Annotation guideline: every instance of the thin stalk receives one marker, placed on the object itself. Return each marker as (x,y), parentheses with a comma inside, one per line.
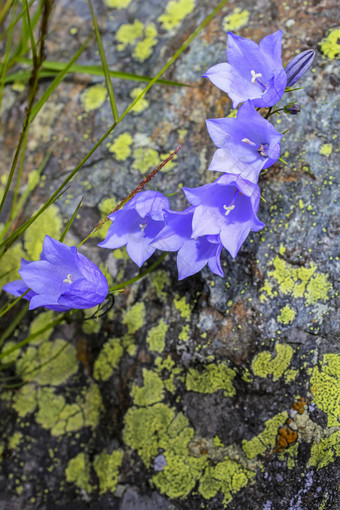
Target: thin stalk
(111,128)
(30,34)
(4,10)
(18,178)
(5,61)
(8,307)
(104,63)
(14,322)
(122,285)
(18,18)
(70,221)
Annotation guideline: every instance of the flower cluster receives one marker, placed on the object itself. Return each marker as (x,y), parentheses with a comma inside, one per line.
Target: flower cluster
(221,214)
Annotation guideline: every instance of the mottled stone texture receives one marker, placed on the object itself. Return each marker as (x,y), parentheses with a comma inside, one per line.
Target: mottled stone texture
(208,393)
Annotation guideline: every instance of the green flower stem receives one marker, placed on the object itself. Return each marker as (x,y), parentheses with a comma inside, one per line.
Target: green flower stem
(122,285)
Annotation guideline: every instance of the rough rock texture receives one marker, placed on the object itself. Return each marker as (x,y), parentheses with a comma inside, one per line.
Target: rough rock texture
(207,393)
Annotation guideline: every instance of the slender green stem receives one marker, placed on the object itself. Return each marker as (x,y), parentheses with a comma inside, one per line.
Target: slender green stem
(5,60)
(30,33)
(69,223)
(17,319)
(122,285)
(18,18)
(104,63)
(19,174)
(4,10)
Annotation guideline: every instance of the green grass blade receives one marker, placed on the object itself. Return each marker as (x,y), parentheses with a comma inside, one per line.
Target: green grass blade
(104,63)
(50,65)
(24,76)
(30,32)
(122,285)
(59,190)
(18,18)
(39,104)
(5,60)
(4,10)
(17,319)
(70,221)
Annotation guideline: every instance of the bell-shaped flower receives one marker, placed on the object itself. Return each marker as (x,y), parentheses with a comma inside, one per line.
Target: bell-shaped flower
(61,280)
(246,145)
(137,224)
(253,71)
(193,254)
(226,208)
(298,66)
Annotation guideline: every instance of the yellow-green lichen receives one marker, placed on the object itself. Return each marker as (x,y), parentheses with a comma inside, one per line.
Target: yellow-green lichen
(236,20)
(211,379)
(15,440)
(156,336)
(108,359)
(258,445)
(47,223)
(159,280)
(184,334)
(117,4)
(25,400)
(175,12)
(39,323)
(325,451)
(127,34)
(134,318)
(143,49)
(325,386)
(145,159)
(330,46)
(142,104)
(264,364)
(286,316)
(78,472)
(121,146)
(93,97)
(183,307)
(326,149)
(168,367)
(10,263)
(151,391)
(107,467)
(228,476)
(318,289)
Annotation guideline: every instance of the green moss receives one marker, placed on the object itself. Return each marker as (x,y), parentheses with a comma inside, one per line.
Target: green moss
(237,19)
(145,159)
(121,147)
(107,467)
(117,4)
(127,34)
(48,223)
(78,472)
(228,476)
(15,440)
(175,12)
(325,386)
(156,336)
(143,49)
(10,263)
(93,97)
(142,103)
(108,359)
(134,318)
(326,149)
(318,289)
(151,392)
(264,365)
(330,45)
(325,452)
(213,378)
(286,316)
(258,445)
(183,307)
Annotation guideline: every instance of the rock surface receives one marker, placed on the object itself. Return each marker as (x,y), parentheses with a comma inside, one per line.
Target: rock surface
(208,393)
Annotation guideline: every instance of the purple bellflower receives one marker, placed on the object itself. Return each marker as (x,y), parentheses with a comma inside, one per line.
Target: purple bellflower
(193,254)
(226,208)
(246,145)
(298,66)
(137,224)
(254,71)
(61,280)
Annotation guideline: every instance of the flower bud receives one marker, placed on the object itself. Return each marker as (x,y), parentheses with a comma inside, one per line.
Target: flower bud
(298,66)
(292,109)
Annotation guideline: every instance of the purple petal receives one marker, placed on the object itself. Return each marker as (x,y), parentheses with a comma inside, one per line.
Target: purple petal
(177,230)
(41,277)
(226,161)
(188,260)
(298,66)
(271,45)
(57,253)
(139,249)
(50,302)
(83,294)
(17,288)
(151,203)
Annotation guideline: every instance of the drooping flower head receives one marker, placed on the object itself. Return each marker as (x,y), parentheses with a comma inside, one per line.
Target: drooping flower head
(137,224)
(61,280)
(246,145)
(298,66)
(226,208)
(253,71)
(193,254)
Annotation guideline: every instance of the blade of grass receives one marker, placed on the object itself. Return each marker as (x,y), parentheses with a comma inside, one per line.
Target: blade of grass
(205,22)
(51,65)
(30,32)
(24,76)
(59,78)
(4,10)
(22,47)
(122,285)
(104,63)
(18,18)
(5,61)
(17,319)
(70,221)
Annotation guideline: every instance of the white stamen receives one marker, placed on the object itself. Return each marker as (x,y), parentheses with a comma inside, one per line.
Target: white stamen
(228,209)
(255,76)
(142,226)
(68,279)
